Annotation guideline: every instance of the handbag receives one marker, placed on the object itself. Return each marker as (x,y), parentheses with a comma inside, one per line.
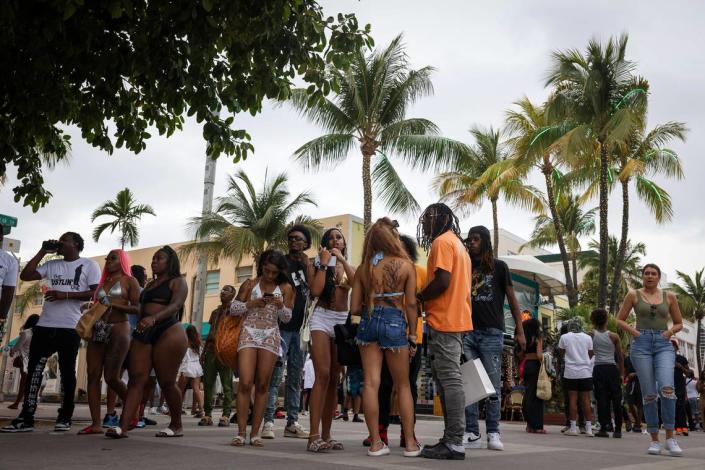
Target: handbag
(305,331)
(543,386)
(348,352)
(476,383)
(227,338)
(18,362)
(92,314)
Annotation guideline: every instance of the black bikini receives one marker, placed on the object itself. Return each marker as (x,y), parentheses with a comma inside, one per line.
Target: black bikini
(161,295)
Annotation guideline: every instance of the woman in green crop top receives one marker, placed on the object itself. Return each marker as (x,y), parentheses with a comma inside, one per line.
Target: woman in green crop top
(652,354)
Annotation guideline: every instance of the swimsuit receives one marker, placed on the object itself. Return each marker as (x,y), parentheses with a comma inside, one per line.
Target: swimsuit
(260,327)
(161,295)
(103,328)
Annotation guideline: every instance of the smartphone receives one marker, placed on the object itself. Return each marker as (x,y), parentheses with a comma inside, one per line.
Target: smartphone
(332,261)
(50,246)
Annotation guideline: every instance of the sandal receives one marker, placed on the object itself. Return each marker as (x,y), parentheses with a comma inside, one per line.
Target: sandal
(206,421)
(89,430)
(317,446)
(168,432)
(115,433)
(334,445)
(238,441)
(223,422)
(256,441)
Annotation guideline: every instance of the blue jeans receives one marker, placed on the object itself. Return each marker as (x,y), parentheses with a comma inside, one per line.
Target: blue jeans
(386,326)
(294,360)
(485,344)
(654,359)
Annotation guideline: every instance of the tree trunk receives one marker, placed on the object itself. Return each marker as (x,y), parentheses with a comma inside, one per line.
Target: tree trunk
(574,262)
(698,344)
(367,184)
(621,251)
(558,227)
(495,222)
(604,234)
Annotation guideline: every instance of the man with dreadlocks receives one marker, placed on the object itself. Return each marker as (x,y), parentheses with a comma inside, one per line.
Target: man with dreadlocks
(491,282)
(446,300)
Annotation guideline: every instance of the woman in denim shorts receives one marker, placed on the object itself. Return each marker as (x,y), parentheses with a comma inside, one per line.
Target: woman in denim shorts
(652,355)
(384,295)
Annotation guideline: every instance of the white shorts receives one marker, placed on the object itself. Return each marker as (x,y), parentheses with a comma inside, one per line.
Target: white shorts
(324,320)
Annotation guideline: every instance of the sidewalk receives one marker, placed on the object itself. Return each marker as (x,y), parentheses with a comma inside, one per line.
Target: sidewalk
(205,448)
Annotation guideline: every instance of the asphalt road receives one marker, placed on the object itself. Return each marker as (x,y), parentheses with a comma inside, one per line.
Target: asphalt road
(204,448)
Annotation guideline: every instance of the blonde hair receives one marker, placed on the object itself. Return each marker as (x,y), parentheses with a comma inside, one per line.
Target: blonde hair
(380,237)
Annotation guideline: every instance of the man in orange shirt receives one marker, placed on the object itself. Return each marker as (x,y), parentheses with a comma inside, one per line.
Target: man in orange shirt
(446,300)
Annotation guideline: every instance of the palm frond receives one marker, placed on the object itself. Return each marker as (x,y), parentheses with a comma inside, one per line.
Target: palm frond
(391,189)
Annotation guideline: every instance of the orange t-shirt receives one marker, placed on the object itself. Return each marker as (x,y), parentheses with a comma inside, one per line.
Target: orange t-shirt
(451,312)
(420,284)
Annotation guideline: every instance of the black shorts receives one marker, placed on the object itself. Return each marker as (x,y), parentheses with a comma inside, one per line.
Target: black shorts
(578,385)
(151,335)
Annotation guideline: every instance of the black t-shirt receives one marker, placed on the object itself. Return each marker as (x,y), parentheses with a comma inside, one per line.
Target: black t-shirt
(678,374)
(297,271)
(488,292)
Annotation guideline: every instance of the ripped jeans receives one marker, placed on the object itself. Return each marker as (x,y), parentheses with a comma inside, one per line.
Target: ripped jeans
(654,359)
(485,344)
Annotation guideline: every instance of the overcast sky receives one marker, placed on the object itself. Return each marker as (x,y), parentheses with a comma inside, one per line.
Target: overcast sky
(487,55)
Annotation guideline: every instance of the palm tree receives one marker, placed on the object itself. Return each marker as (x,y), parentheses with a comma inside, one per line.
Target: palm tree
(479,174)
(630,276)
(574,222)
(644,155)
(247,222)
(599,96)
(533,137)
(691,297)
(370,110)
(126,214)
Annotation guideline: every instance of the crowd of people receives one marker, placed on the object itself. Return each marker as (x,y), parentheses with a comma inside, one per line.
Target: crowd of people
(292,312)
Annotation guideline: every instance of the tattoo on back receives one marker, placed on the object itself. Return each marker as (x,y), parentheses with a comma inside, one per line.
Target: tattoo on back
(390,278)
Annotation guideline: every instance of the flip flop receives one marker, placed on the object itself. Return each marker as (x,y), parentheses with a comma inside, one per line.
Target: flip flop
(168,432)
(115,433)
(334,445)
(89,430)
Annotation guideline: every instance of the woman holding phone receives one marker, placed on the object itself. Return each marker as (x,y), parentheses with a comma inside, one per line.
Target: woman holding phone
(331,283)
(263,302)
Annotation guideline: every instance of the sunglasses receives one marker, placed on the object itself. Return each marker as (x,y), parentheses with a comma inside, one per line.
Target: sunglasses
(653,310)
(294,238)
(395,224)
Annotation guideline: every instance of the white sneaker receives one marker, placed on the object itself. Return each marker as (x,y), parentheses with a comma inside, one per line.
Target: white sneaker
(295,430)
(589,433)
(655,448)
(163,409)
(153,410)
(571,432)
(493,441)
(673,448)
(472,441)
(268,430)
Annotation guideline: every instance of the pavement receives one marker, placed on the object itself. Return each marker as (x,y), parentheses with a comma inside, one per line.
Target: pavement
(208,447)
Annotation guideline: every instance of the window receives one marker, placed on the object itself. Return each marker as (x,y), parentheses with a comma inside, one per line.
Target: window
(243,273)
(212,282)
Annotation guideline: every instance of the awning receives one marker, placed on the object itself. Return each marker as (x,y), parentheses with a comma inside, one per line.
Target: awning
(550,281)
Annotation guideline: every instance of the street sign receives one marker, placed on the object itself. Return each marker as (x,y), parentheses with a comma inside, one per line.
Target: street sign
(11,245)
(8,221)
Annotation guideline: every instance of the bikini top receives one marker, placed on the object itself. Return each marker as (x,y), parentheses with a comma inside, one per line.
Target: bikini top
(160,294)
(114,292)
(379,256)
(257,292)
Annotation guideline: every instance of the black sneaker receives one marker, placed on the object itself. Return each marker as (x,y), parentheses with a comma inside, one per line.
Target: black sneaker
(357,419)
(636,429)
(601,433)
(148,421)
(18,425)
(617,434)
(442,452)
(62,425)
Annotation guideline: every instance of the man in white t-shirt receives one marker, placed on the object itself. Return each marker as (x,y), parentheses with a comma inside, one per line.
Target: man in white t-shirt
(575,348)
(71,281)
(8,282)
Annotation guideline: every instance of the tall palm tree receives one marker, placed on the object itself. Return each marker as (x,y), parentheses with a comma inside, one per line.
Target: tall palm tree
(480,175)
(644,155)
(126,214)
(630,276)
(532,139)
(574,222)
(598,94)
(247,221)
(369,110)
(691,297)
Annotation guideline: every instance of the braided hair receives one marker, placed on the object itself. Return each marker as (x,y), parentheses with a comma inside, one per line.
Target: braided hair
(442,220)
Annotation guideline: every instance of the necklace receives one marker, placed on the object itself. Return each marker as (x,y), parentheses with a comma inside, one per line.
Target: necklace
(649,299)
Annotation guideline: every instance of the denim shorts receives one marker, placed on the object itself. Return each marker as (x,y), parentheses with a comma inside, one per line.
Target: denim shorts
(386,326)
